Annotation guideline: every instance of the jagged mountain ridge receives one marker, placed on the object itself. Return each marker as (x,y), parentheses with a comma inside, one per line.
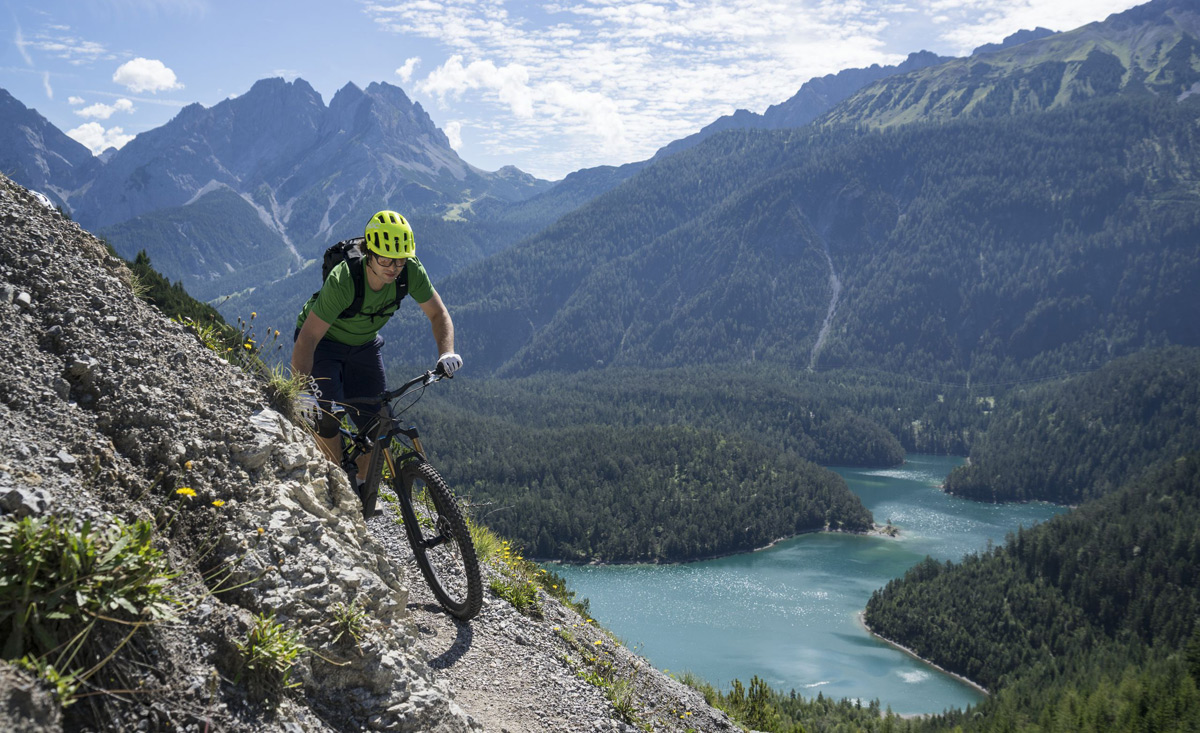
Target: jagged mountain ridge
(1151,49)
(814,98)
(37,153)
(309,174)
(279,135)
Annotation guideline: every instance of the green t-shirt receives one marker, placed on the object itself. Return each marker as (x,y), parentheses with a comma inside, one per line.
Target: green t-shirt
(338,292)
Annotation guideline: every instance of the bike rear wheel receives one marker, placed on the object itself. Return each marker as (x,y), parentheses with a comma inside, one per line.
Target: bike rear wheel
(440,539)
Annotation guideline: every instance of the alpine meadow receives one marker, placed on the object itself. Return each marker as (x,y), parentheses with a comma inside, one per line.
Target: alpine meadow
(995,257)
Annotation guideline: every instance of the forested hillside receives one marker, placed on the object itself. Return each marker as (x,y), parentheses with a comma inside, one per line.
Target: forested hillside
(1105,597)
(647,494)
(983,250)
(1080,439)
(218,243)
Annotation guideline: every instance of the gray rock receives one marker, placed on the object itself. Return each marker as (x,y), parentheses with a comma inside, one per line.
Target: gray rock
(25,705)
(24,501)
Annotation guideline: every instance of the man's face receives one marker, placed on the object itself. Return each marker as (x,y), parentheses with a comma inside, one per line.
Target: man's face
(388,268)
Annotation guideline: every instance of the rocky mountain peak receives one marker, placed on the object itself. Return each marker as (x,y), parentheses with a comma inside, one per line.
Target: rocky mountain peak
(1016,39)
(1147,49)
(38,152)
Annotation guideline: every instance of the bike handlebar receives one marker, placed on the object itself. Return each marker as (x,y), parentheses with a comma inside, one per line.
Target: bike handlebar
(430,376)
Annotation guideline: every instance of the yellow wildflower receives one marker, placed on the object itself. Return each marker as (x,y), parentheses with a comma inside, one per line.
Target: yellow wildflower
(598,642)
(219,502)
(187,466)
(186,491)
(261,530)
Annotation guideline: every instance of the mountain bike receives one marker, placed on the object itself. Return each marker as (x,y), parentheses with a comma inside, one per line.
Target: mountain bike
(433,520)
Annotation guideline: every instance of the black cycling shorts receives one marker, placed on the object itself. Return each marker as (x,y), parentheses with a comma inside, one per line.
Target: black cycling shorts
(350,378)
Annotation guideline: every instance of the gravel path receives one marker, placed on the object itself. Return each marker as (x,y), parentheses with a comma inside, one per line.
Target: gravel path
(516,674)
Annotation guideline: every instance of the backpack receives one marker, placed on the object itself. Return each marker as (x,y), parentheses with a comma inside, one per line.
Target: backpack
(350,252)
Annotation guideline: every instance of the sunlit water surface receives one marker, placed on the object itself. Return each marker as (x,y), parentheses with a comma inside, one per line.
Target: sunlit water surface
(789,614)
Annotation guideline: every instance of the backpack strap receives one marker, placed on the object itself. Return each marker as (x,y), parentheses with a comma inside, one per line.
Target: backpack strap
(358,277)
(355,265)
(401,290)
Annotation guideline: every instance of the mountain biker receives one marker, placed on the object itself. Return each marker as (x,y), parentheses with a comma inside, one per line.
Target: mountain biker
(342,355)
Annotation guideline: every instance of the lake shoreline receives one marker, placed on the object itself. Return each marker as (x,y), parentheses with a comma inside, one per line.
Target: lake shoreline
(877,530)
(861,617)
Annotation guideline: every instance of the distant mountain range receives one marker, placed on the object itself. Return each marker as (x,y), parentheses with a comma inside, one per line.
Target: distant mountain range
(1148,50)
(794,236)
(1003,246)
(274,164)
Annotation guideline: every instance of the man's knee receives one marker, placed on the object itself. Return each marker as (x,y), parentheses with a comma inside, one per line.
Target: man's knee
(328,424)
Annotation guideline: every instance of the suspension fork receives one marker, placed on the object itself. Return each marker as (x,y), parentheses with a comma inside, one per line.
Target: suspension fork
(413,437)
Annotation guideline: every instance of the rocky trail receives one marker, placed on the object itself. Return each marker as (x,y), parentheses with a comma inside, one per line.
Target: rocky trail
(514,673)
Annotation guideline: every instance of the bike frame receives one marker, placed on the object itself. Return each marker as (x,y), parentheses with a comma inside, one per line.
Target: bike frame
(364,440)
(453,576)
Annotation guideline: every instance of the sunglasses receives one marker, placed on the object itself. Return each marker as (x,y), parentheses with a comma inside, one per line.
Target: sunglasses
(390,262)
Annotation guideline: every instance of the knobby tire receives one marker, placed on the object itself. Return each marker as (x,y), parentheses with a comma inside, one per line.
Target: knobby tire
(444,551)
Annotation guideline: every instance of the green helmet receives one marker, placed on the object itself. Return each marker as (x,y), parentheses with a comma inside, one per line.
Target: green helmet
(389,235)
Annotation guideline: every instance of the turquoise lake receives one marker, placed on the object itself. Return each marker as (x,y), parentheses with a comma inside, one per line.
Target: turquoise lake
(790,613)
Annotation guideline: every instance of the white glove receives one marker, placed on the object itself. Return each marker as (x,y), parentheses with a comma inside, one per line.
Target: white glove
(306,406)
(450,363)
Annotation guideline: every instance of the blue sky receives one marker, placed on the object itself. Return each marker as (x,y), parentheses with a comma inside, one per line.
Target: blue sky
(550,87)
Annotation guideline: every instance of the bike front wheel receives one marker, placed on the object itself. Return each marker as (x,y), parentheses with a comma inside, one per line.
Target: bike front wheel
(440,539)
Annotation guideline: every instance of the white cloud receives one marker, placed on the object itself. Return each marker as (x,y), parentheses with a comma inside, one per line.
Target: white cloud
(75,101)
(405,72)
(101,111)
(548,80)
(453,131)
(19,40)
(146,75)
(46,85)
(972,23)
(631,74)
(510,83)
(58,41)
(97,139)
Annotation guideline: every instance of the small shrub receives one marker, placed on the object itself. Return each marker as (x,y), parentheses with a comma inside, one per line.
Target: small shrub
(521,593)
(487,543)
(349,620)
(62,685)
(268,655)
(59,581)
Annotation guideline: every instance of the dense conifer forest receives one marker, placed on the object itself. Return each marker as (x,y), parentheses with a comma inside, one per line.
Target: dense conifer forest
(1081,439)
(1091,616)
(679,464)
